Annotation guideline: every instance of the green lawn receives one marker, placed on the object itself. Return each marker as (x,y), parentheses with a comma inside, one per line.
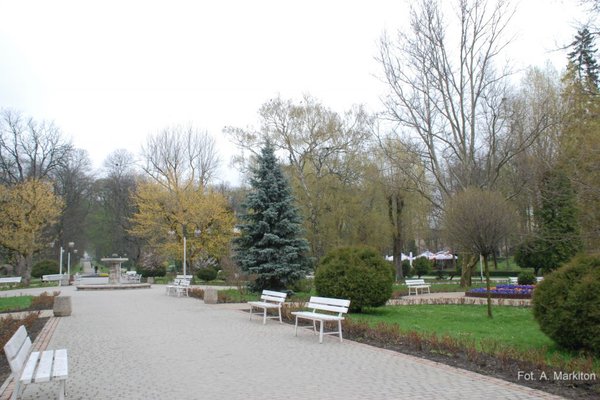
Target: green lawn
(513,326)
(15,303)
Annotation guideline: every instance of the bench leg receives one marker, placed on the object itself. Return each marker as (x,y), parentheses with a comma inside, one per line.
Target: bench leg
(280,321)
(250,313)
(16,390)
(296,327)
(63,390)
(340,330)
(265,316)
(321,332)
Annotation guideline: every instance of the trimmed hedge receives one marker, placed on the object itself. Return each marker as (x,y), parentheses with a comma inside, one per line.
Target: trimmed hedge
(45,267)
(359,274)
(566,304)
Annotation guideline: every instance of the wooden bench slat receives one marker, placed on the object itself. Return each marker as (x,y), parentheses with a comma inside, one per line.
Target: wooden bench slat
(330,301)
(16,363)
(61,365)
(45,367)
(11,279)
(27,375)
(325,307)
(12,347)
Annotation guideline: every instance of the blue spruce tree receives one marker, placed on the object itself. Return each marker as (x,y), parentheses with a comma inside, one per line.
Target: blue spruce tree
(270,244)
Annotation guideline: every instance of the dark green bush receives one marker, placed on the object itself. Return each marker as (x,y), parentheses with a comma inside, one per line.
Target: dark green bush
(152,271)
(207,274)
(566,304)
(422,266)
(45,267)
(526,278)
(356,273)
(406,268)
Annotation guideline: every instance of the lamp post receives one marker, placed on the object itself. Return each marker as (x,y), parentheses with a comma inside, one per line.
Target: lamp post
(71,245)
(60,257)
(197,233)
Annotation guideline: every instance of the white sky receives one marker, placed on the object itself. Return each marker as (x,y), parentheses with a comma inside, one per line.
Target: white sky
(108,72)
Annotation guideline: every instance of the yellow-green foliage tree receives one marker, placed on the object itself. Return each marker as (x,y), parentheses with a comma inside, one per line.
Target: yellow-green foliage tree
(203,214)
(27,211)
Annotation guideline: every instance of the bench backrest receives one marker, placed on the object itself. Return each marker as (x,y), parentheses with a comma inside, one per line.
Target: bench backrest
(410,282)
(188,277)
(17,350)
(513,280)
(338,306)
(11,279)
(271,296)
(54,277)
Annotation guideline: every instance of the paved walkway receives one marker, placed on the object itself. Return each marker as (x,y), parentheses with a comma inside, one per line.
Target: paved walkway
(141,344)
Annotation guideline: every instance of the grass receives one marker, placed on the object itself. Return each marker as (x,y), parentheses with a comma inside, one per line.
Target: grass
(513,326)
(15,303)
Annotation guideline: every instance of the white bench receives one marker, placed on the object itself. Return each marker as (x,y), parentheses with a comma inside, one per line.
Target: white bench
(416,284)
(131,277)
(11,279)
(180,285)
(55,277)
(513,281)
(48,366)
(269,300)
(324,309)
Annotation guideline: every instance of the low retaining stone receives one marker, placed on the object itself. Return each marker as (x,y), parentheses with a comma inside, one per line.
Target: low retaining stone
(62,306)
(210,296)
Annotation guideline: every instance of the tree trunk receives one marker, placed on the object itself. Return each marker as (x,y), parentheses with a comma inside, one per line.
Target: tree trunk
(24,267)
(487,285)
(468,264)
(395,206)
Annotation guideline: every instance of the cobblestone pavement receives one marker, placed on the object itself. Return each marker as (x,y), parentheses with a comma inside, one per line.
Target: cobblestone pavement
(142,344)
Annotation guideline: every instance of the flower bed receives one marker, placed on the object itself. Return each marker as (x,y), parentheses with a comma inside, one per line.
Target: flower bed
(504,292)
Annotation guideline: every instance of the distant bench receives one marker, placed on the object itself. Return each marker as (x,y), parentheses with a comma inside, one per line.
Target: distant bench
(269,300)
(55,277)
(416,284)
(11,279)
(324,309)
(180,285)
(48,366)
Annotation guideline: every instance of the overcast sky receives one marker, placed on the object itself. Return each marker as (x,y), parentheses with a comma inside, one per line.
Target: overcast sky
(109,73)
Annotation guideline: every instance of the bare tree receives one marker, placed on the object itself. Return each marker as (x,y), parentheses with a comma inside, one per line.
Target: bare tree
(29,149)
(180,157)
(324,150)
(478,221)
(447,98)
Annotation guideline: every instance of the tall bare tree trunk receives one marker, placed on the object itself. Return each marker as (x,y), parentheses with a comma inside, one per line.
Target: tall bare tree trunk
(469,261)
(487,285)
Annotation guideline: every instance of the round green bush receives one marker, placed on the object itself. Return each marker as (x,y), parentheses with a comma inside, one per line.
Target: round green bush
(566,304)
(45,267)
(526,278)
(358,274)
(156,270)
(207,274)
(422,266)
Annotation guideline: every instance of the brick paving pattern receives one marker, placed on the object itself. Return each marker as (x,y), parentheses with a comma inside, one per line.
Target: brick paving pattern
(144,345)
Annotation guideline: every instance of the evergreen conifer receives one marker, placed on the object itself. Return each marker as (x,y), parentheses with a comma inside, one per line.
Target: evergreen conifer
(270,244)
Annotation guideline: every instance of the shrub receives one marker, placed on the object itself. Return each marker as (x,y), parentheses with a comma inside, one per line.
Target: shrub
(406,268)
(526,278)
(566,304)
(207,274)
(356,273)
(152,271)
(421,266)
(45,267)
(303,285)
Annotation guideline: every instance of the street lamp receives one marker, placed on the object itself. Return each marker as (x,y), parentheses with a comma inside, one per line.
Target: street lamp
(71,245)
(197,233)
(60,257)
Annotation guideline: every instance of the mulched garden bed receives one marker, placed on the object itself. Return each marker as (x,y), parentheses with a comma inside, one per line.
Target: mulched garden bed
(499,295)
(33,330)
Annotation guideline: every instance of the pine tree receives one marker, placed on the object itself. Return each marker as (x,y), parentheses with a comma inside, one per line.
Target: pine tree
(270,244)
(583,62)
(558,224)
